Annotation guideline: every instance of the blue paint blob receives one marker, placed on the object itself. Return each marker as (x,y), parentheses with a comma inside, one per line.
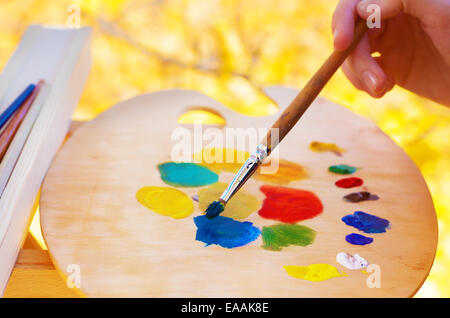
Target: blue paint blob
(224,231)
(214,209)
(186,174)
(358,239)
(366,222)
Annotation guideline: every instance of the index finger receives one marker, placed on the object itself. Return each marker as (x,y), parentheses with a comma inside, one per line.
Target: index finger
(343,23)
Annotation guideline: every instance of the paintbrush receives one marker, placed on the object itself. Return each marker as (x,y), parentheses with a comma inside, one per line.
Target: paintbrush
(287,120)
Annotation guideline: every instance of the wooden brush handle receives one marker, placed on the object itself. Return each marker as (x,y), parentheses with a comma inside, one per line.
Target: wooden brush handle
(308,94)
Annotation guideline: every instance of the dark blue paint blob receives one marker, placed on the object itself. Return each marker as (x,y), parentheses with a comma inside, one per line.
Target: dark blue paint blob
(358,239)
(224,231)
(214,209)
(186,174)
(366,222)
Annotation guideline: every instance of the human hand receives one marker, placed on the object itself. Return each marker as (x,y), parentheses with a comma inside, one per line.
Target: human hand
(413,45)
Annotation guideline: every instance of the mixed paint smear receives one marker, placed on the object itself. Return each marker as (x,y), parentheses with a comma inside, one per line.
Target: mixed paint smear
(353,262)
(224,231)
(347,183)
(360,196)
(277,236)
(239,207)
(289,205)
(166,201)
(314,272)
(366,222)
(318,146)
(342,169)
(358,239)
(186,174)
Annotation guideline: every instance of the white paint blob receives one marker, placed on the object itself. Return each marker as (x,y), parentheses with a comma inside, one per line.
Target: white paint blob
(351,261)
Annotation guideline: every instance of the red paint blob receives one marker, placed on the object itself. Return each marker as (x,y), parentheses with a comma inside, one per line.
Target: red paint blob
(349,183)
(289,205)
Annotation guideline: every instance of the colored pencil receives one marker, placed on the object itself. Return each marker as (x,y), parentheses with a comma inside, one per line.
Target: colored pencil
(11,156)
(7,135)
(4,117)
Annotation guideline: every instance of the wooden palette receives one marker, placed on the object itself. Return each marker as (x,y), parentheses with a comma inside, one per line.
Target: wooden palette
(90,216)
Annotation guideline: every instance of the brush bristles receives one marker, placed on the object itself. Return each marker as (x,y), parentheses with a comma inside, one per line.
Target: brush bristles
(214,209)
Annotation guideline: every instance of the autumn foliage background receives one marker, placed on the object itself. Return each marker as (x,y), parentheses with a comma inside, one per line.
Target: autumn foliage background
(229,50)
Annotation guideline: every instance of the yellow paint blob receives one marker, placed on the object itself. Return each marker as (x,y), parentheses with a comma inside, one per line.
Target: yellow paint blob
(318,146)
(221,159)
(239,207)
(314,272)
(166,201)
(286,173)
(202,115)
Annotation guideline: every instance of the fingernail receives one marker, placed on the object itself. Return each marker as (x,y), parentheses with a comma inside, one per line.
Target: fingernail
(371,82)
(363,5)
(337,45)
(335,35)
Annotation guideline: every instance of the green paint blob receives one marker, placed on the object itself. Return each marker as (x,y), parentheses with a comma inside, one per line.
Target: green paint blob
(186,174)
(277,236)
(342,169)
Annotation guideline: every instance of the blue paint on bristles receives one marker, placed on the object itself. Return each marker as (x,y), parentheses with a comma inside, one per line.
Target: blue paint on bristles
(214,209)
(4,117)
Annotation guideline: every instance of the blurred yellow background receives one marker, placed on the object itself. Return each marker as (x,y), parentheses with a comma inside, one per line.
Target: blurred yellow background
(229,50)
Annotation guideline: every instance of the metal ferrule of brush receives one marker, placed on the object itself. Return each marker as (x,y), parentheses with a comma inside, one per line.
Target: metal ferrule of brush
(245,172)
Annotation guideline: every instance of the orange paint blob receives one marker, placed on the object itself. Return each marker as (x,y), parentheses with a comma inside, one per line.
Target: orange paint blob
(287,172)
